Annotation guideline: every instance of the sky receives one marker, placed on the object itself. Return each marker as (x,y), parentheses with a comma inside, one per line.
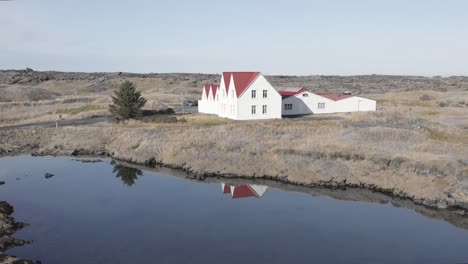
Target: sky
(295,37)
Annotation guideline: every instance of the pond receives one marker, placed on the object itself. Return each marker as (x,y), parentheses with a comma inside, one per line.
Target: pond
(111,212)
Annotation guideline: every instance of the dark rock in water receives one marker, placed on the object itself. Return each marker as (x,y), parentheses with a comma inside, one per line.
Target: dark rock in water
(2,182)
(88,160)
(48,175)
(80,152)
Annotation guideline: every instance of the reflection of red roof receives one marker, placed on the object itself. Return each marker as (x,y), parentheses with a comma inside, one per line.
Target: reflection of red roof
(334,97)
(243,192)
(242,80)
(290,91)
(226,189)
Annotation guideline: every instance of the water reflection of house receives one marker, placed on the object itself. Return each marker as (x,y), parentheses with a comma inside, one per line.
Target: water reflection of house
(244,191)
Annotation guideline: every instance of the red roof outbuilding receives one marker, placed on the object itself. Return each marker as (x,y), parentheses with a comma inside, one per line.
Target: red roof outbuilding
(290,91)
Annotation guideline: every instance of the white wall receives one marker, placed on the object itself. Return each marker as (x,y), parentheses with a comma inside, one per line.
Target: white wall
(227,100)
(272,102)
(307,103)
(303,105)
(203,103)
(355,104)
(208,103)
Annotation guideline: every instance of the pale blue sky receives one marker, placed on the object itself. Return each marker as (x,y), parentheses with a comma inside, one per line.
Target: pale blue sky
(419,37)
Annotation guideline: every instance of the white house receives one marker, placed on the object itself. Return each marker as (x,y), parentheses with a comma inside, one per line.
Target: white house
(241,96)
(248,95)
(299,101)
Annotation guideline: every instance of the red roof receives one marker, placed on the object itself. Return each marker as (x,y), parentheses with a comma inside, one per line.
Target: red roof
(207,89)
(242,80)
(290,91)
(227,80)
(334,97)
(214,89)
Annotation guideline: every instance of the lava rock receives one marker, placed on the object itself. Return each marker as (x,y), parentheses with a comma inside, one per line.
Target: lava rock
(48,175)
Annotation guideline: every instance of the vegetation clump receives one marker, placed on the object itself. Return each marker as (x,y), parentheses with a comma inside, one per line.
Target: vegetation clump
(127,102)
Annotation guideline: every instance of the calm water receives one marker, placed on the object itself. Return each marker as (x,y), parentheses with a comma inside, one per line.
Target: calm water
(108,213)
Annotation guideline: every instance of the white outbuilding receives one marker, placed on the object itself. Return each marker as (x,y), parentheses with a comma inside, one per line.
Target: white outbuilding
(298,101)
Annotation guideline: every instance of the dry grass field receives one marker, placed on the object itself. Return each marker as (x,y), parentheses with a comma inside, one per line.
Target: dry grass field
(415,145)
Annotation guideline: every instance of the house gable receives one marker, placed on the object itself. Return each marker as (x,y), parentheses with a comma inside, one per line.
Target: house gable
(239,80)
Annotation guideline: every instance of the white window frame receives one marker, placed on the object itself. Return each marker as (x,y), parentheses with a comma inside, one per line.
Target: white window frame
(265,93)
(321,105)
(264,109)
(254,109)
(254,94)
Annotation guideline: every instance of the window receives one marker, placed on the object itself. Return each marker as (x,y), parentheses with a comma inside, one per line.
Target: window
(287,106)
(233,109)
(321,105)
(265,93)
(264,109)
(254,93)
(305,95)
(254,109)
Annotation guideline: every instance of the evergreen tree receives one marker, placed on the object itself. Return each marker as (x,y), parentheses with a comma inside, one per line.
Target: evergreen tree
(127,102)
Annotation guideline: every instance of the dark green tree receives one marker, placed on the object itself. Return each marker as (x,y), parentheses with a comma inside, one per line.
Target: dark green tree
(127,102)
(128,175)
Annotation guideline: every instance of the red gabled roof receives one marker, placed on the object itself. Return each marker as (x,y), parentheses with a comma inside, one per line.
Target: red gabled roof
(334,97)
(242,80)
(290,91)
(207,90)
(214,89)
(243,192)
(227,80)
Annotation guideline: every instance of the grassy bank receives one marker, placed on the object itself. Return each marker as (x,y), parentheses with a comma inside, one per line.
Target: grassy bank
(390,152)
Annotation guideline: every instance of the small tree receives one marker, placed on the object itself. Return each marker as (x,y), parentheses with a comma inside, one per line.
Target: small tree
(127,102)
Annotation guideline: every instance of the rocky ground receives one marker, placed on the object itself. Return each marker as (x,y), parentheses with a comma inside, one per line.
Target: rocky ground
(8,226)
(53,84)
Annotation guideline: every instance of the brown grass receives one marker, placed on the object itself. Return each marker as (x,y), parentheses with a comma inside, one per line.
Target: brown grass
(78,110)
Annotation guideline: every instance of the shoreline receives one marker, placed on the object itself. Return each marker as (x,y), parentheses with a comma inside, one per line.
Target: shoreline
(399,177)
(332,186)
